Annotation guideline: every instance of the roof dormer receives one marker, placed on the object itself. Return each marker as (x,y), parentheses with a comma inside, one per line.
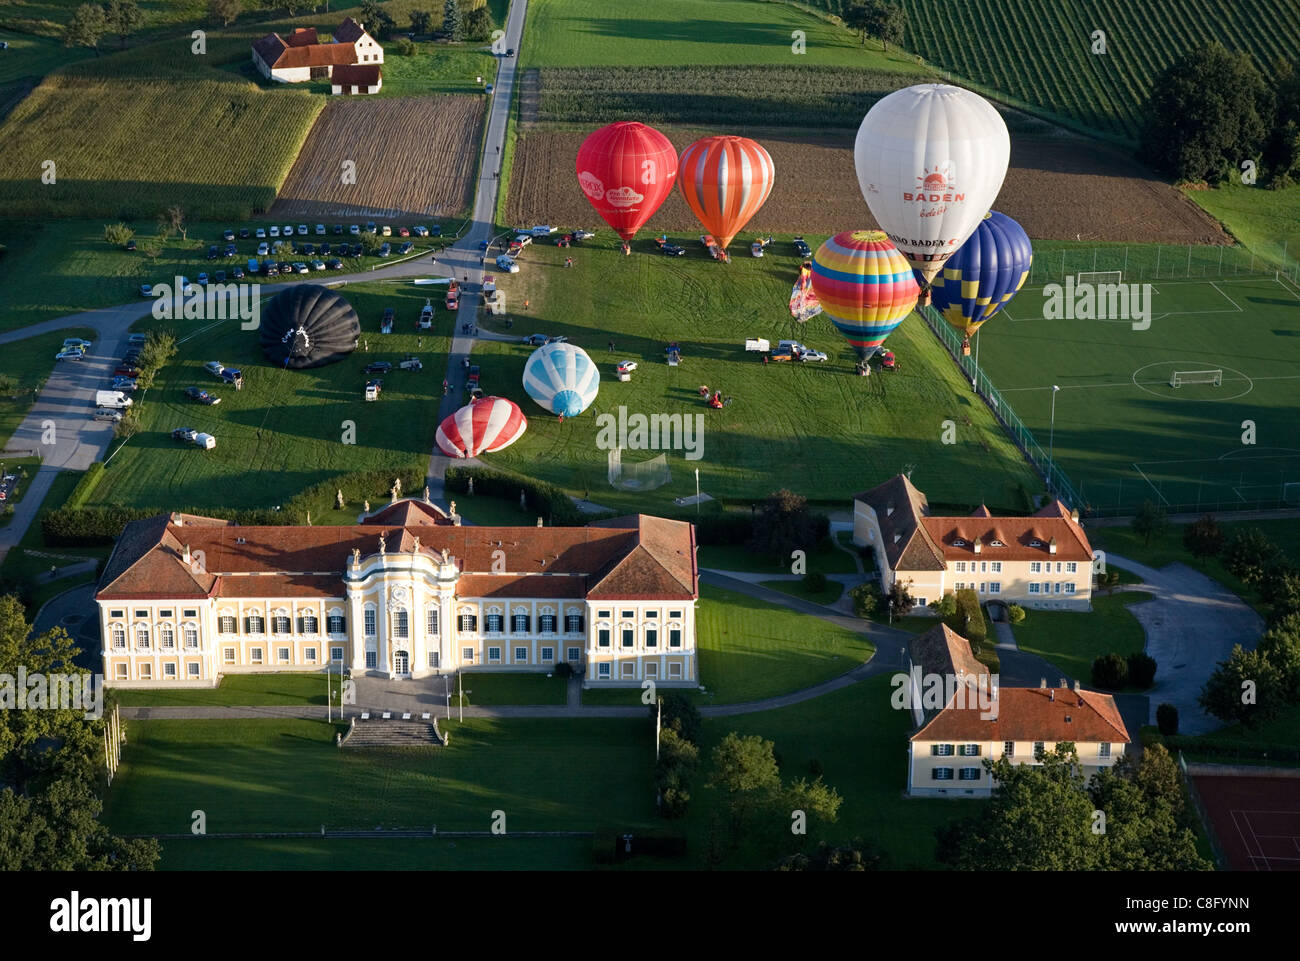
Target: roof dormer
(978,545)
(1051,546)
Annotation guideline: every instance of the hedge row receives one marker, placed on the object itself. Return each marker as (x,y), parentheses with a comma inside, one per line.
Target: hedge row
(1228,747)
(547,500)
(357,487)
(970,617)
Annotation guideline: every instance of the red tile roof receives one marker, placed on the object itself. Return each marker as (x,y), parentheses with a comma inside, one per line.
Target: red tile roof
(408,513)
(302,37)
(899,508)
(1032,714)
(358,74)
(279,54)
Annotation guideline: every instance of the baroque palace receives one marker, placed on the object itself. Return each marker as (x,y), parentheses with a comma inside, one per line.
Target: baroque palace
(405,592)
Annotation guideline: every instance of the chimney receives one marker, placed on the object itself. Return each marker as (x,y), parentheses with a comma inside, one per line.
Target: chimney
(178,519)
(1042,682)
(185,555)
(1051,695)
(1076,687)
(539,522)
(1051,546)
(1065,682)
(1074,515)
(979,544)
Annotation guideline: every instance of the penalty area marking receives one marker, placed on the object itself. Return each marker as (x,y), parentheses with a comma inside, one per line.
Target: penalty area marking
(1250,384)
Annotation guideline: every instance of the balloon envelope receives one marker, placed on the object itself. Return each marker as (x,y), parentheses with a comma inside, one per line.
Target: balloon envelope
(725,180)
(562,379)
(931,159)
(865,286)
(485,425)
(308,326)
(804,304)
(983,276)
(626,170)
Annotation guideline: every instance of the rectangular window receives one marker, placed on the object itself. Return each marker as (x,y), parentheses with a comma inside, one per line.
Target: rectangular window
(434,659)
(984,567)
(141,613)
(168,638)
(1035,567)
(941,750)
(431,621)
(1058,586)
(142,638)
(121,672)
(1009,748)
(602,637)
(371,625)
(675,637)
(191,613)
(282,655)
(1038,749)
(959,567)
(968,774)
(602,671)
(995,567)
(995,587)
(228,655)
(548,655)
(651,670)
(652,615)
(311,655)
(280,624)
(627,637)
(116,614)
(169,671)
(494,655)
(547,623)
(674,672)
(372,659)
(494,623)
(1069,587)
(628,669)
(1034,587)
(575,653)
(598,614)
(253,624)
(307,624)
(119,637)
(519,623)
(573,624)
(970,750)
(146,672)
(402,624)
(467,655)
(165,613)
(1103,749)
(521,655)
(336,653)
(651,637)
(1058,567)
(256,655)
(467,623)
(191,637)
(629,614)
(984,587)
(1071,567)
(674,614)
(336,624)
(941,774)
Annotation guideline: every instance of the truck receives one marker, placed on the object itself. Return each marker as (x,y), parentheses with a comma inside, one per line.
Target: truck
(205,441)
(112,398)
(426,316)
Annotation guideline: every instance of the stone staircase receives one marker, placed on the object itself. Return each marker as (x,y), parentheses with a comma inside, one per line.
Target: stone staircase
(378,733)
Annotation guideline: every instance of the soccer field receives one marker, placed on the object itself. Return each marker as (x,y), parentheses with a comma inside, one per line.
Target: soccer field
(1123,434)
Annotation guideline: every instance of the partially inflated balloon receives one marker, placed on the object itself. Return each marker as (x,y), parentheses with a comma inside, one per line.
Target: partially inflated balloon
(626,171)
(485,425)
(725,180)
(803,300)
(983,276)
(865,286)
(561,378)
(931,160)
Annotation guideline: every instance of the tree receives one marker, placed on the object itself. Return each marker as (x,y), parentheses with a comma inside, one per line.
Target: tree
(87,27)
(1203,537)
(452,26)
(814,582)
(1167,719)
(479,25)
(885,21)
(123,17)
(173,219)
(1208,111)
(1282,153)
(783,525)
(855,855)
(1110,671)
(1141,670)
(856,16)
(421,22)
(371,242)
(1280,588)
(945,606)
(678,760)
(1245,688)
(225,12)
(1015,613)
(1146,826)
(866,599)
(815,798)
(901,597)
(745,769)
(116,235)
(1149,522)
(404,47)
(1281,647)
(679,716)
(1249,554)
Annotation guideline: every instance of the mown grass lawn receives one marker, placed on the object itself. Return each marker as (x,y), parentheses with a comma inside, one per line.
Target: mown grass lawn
(749,650)
(285,429)
(816,429)
(488,689)
(827,595)
(1072,640)
(24,368)
(728,557)
(237,690)
(546,775)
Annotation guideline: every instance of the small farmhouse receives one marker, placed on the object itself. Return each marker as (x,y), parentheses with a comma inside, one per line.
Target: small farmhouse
(302,56)
(357,78)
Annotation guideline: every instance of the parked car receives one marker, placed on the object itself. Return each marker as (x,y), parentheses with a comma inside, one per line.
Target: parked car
(506,264)
(285,267)
(219,277)
(557,339)
(213,252)
(420,231)
(261,232)
(405,248)
(70,354)
(270,269)
(411,363)
(337,229)
(385,249)
(373,388)
(231,251)
(186,434)
(626,366)
(371,228)
(333,264)
(801,248)
(306,249)
(320,228)
(227,234)
(581,235)
(471,382)
(386,322)
(214,368)
(76,342)
(403,232)
(126,370)
(263,249)
(386,230)
(815,356)
(127,384)
(323,248)
(302,230)
(137,339)
(243,233)
(108,413)
(536,340)
(435,230)
(672,250)
(318,265)
(233,377)
(510,52)
(203,279)
(378,367)
(354,230)
(301,268)
(202,396)
(357,250)
(146,290)
(237,273)
(286,230)
(275,231)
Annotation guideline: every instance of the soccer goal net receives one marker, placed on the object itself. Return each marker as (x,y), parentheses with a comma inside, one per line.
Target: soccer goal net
(645,476)
(1099,277)
(1180,378)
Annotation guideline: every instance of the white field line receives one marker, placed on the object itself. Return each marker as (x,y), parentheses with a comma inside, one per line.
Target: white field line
(1149,484)
(1225,296)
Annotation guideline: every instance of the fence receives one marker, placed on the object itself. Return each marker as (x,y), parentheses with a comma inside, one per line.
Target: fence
(1053,262)
(1199,805)
(1041,460)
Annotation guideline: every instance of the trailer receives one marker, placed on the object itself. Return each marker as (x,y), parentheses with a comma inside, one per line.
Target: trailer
(758,344)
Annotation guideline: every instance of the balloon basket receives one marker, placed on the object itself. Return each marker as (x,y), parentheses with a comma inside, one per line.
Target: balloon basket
(965,348)
(924,299)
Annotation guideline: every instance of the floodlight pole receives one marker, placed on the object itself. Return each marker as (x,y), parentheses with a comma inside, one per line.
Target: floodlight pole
(446,691)
(697,492)
(1051,439)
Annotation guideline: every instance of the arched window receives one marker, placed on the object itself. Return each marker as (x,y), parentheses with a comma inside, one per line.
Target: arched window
(254,624)
(191,633)
(119,635)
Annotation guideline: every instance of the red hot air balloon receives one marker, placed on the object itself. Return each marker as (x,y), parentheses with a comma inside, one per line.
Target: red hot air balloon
(485,425)
(725,180)
(626,171)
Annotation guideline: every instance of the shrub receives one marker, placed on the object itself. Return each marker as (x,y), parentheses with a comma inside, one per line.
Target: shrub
(945,606)
(814,582)
(1167,719)
(1015,613)
(902,598)
(680,716)
(1141,670)
(86,486)
(546,499)
(404,46)
(730,528)
(1110,672)
(968,620)
(1203,538)
(866,598)
(564,669)
(1248,554)
(116,235)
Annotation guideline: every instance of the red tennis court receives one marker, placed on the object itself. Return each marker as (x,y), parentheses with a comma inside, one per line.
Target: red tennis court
(1256,820)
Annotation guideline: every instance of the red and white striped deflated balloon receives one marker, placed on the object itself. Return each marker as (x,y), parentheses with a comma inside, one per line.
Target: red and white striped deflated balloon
(481,427)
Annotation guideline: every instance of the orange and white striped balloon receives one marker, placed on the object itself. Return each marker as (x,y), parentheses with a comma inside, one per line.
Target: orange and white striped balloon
(725,180)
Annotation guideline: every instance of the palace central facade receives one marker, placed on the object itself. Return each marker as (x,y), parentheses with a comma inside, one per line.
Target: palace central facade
(406,592)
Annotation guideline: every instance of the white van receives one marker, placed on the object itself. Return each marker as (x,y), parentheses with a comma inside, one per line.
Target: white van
(205,441)
(112,398)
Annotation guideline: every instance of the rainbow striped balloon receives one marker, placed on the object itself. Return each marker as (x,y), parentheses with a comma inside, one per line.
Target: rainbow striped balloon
(865,286)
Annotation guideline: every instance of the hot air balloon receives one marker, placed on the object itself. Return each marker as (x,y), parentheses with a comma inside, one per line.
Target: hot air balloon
(482,426)
(725,180)
(562,379)
(308,326)
(804,304)
(931,160)
(865,286)
(980,278)
(626,170)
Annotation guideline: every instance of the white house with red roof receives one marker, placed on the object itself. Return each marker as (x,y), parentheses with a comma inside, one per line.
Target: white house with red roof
(405,592)
(1042,560)
(301,55)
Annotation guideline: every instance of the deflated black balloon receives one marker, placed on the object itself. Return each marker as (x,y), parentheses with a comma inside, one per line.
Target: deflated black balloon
(308,326)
